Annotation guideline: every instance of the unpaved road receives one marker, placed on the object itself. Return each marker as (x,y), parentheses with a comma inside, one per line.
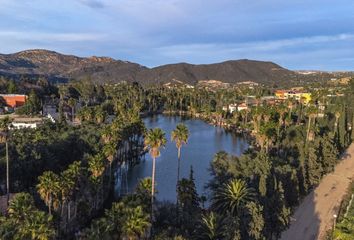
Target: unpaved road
(314,216)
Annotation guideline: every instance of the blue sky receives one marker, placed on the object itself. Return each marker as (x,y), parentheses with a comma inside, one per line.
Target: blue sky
(297,34)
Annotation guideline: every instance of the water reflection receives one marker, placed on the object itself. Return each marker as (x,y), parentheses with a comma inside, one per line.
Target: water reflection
(204,141)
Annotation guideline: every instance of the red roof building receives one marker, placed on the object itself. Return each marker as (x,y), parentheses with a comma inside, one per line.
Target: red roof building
(14,100)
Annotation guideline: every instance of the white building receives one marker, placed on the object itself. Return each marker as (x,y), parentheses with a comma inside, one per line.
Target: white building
(19,125)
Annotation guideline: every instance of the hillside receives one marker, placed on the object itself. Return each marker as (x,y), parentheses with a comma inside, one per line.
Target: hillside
(60,67)
(229,72)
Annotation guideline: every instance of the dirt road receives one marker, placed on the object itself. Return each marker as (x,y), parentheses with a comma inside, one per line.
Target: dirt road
(314,216)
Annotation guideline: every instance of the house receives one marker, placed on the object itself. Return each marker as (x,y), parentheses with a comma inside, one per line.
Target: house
(280,94)
(242,107)
(13,100)
(305,97)
(231,107)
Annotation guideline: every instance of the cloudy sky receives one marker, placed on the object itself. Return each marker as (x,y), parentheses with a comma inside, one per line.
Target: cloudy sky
(297,34)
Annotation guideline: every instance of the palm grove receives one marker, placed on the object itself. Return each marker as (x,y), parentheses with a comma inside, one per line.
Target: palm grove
(64,175)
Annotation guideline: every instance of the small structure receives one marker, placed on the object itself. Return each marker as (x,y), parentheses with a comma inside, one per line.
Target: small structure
(242,107)
(22,122)
(232,108)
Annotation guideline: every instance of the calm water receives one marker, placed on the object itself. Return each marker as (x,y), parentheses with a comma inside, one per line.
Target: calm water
(204,141)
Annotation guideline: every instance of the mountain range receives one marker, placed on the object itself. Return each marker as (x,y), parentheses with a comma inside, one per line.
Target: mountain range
(59,67)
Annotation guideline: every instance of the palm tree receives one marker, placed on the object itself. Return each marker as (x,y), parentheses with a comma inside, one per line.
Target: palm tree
(290,105)
(256,118)
(154,140)
(20,205)
(100,115)
(231,196)
(107,134)
(281,110)
(4,130)
(337,115)
(311,113)
(110,151)
(210,228)
(144,187)
(72,104)
(96,166)
(48,187)
(180,136)
(99,229)
(136,223)
(37,226)
(69,180)
(30,223)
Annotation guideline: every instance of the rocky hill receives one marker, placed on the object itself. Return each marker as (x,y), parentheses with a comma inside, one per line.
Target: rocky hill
(60,67)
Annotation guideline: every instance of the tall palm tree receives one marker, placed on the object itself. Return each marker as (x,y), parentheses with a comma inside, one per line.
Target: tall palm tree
(4,130)
(180,136)
(48,188)
(311,113)
(69,180)
(231,196)
(110,151)
(290,106)
(337,115)
(281,110)
(72,104)
(96,166)
(154,140)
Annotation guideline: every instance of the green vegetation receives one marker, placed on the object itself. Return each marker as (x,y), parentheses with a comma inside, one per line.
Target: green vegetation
(344,228)
(25,221)
(64,173)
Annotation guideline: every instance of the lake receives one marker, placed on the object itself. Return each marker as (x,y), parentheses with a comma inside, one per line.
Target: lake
(204,142)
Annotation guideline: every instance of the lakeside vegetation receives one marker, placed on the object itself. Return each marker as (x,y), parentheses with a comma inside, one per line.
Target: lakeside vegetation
(65,172)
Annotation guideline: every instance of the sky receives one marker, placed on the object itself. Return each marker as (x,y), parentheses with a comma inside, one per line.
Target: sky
(297,34)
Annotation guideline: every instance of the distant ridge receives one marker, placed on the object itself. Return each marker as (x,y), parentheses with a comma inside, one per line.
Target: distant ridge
(229,72)
(61,67)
